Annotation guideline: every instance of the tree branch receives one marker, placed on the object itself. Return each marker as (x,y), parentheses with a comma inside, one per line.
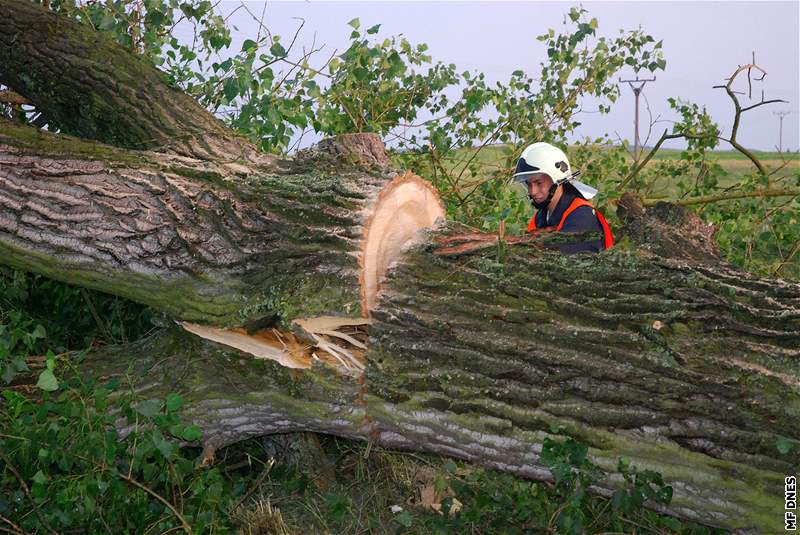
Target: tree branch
(637,168)
(124,103)
(774,100)
(788,259)
(706,199)
(738,110)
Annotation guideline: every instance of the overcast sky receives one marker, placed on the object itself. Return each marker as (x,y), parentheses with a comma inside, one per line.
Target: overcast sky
(703,44)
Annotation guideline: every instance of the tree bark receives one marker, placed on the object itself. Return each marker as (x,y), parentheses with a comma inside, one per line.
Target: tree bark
(217,243)
(687,369)
(89,86)
(474,346)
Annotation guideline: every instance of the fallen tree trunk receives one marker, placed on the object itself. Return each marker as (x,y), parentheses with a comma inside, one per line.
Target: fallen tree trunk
(445,341)
(217,243)
(690,371)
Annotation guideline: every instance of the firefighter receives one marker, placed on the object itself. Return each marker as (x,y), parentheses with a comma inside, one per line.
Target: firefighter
(561,202)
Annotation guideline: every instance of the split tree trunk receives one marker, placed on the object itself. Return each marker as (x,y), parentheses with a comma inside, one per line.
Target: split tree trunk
(656,351)
(685,369)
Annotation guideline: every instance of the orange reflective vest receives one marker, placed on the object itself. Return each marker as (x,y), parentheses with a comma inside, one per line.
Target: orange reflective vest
(608,238)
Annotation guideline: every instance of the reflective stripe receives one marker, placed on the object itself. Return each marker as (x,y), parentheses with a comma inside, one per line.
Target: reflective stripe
(577,202)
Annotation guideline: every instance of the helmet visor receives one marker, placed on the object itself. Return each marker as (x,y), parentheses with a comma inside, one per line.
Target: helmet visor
(523,171)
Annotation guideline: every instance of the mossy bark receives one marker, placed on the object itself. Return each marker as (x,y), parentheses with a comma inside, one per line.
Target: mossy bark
(681,368)
(201,240)
(88,85)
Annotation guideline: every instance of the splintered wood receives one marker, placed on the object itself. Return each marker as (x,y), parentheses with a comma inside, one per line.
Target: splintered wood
(334,341)
(405,206)
(338,341)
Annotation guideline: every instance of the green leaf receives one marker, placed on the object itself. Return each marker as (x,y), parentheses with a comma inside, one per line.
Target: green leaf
(192,433)
(784,445)
(174,402)
(664,495)
(39,492)
(355,23)
(339,505)
(277,50)
(148,407)
(405,519)
(89,504)
(231,88)
(249,45)
(107,22)
(38,332)
(374,29)
(225,65)
(671,523)
(163,445)
(360,73)
(9,373)
(40,478)
(619,499)
(450,467)
(47,381)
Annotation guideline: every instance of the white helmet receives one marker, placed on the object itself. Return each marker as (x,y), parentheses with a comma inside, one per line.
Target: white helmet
(545,158)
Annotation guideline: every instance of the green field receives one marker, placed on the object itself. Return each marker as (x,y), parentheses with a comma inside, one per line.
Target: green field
(490,159)
(674,154)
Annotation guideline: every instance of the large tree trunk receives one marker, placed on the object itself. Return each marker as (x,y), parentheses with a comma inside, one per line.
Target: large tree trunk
(441,340)
(218,243)
(685,369)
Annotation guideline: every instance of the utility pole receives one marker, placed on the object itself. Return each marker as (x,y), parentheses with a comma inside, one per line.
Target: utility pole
(780,114)
(637,90)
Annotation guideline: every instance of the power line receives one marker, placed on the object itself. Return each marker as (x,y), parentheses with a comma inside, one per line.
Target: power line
(781,114)
(637,90)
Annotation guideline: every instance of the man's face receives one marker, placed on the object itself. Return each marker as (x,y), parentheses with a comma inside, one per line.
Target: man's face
(539,186)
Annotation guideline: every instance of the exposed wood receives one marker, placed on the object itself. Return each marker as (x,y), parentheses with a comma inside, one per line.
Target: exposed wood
(404,207)
(322,339)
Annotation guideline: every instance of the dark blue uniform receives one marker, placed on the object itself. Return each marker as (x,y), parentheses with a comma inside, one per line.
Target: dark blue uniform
(582,219)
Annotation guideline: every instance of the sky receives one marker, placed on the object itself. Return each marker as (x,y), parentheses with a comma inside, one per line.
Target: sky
(703,44)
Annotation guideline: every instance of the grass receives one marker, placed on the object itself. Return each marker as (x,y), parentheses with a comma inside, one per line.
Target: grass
(327,485)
